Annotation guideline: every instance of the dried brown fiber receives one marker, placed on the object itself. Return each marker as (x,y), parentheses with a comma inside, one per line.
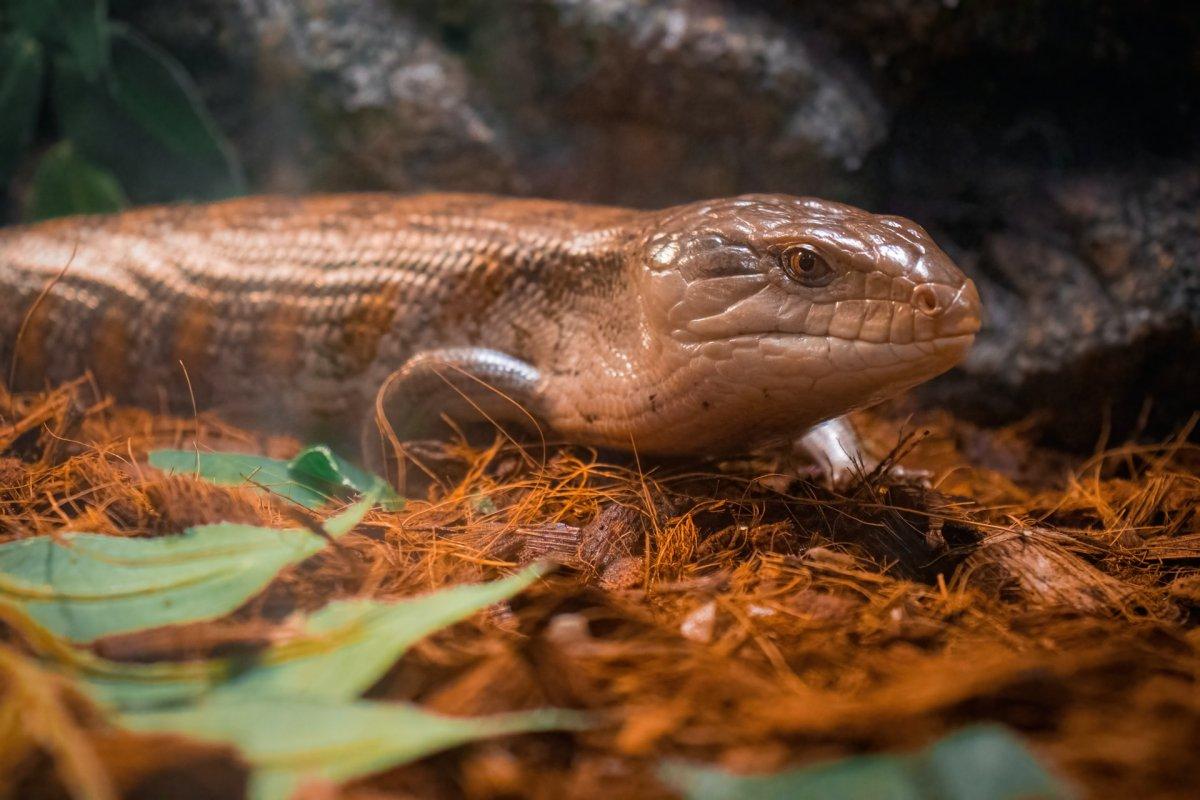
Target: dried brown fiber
(724,613)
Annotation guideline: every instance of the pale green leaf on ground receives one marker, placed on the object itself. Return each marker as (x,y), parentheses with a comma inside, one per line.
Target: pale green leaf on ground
(155,683)
(312,478)
(239,469)
(339,652)
(985,762)
(340,524)
(351,644)
(83,585)
(286,741)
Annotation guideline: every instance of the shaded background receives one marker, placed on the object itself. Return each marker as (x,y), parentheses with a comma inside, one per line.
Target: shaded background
(1051,146)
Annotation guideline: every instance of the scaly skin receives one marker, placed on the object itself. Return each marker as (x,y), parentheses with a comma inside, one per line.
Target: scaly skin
(675,331)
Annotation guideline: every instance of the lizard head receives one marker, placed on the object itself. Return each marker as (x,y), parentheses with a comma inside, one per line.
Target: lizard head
(784,311)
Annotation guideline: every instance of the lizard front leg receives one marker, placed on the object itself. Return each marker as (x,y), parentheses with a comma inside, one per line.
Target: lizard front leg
(838,451)
(460,385)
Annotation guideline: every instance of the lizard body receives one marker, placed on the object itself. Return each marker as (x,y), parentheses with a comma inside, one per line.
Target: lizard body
(706,328)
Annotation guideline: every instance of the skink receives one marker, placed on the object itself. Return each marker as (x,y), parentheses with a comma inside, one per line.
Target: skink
(708,328)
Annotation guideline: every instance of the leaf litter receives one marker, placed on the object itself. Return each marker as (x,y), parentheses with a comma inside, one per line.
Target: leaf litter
(1056,596)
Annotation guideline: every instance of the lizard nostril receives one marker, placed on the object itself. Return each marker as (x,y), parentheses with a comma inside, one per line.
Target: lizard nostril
(926,299)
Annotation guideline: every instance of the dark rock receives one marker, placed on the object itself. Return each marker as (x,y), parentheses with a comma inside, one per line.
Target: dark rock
(1093,297)
(1051,148)
(607,100)
(1076,44)
(651,103)
(334,94)
(1049,145)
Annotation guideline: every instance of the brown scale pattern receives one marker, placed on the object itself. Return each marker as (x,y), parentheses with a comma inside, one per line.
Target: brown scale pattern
(299,302)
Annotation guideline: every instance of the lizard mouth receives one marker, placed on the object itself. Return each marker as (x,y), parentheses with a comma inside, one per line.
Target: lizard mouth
(954,348)
(821,357)
(951,341)
(941,318)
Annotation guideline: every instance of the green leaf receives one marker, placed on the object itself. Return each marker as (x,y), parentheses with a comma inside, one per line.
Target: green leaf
(158,683)
(341,651)
(84,585)
(79,25)
(286,741)
(984,762)
(318,466)
(341,524)
(84,25)
(21,67)
(31,17)
(92,114)
(351,644)
(313,477)
(66,183)
(237,469)
(155,90)
(294,718)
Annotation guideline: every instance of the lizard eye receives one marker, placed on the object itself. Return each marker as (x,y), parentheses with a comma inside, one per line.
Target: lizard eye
(803,265)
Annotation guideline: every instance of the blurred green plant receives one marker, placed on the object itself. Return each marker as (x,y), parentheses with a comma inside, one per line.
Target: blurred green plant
(291,709)
(981,762)
(82,586)
(126,122)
